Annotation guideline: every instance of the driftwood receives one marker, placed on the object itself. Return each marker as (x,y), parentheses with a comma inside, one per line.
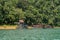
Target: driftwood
(37,26)
(49,26)
(42,26)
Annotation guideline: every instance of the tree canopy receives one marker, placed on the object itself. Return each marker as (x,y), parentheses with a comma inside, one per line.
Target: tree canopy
(32,11)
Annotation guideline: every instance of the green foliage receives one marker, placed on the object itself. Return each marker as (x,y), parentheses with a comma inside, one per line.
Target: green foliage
(32,11)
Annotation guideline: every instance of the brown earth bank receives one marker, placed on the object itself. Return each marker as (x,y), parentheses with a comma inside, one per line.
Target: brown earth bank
(29,27)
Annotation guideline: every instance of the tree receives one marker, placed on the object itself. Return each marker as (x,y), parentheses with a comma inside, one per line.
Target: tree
(32,11)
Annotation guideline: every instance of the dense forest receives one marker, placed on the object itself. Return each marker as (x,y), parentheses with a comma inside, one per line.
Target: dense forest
(32,11)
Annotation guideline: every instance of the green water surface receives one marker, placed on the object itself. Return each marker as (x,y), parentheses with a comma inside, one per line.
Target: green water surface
(30,34)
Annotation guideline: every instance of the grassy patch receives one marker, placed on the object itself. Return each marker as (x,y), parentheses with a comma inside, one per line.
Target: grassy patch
(8,26)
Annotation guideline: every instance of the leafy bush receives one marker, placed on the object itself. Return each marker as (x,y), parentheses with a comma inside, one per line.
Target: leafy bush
(32,11)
